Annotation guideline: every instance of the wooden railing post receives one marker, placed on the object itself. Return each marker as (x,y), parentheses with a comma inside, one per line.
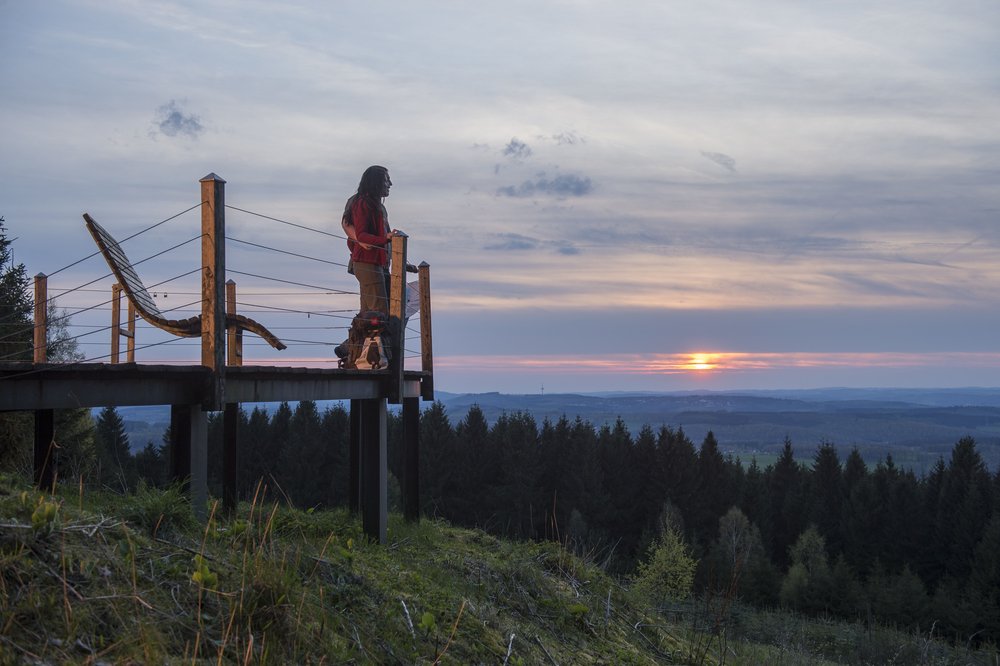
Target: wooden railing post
(426,340)
(40,340)
(130,355)
(116,321)
(213,274)
(397,317)
(234,335)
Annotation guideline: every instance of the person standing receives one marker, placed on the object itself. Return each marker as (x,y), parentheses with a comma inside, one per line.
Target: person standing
(366,223)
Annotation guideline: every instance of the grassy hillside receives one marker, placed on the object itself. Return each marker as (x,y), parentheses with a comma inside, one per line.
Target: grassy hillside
(100,579)
(95,578)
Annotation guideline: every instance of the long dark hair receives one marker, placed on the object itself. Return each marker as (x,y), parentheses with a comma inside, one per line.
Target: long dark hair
(372,183)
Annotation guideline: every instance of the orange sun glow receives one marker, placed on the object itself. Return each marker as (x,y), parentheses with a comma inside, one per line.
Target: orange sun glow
(700,362)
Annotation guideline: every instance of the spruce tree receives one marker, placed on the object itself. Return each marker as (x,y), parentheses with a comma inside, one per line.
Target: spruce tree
(150,465)
(786,513)
(472,469)
(589,485)
(668,574)
(116,468)
(437,450)
(520,510)
(336,440)
(931,554)
(827,497)
(753,500)
(305,472)
(254,433)
(15,345)
(854,470)
(715,493)
(679,465)
(273,456)
(650,492)
(860,526)
(621,480)
(16,305)
(963,508)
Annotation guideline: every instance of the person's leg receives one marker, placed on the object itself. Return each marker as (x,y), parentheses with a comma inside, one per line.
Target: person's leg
(372,283)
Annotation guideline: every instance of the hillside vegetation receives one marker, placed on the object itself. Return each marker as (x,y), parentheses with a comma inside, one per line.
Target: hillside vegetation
(97,578)
(103,579)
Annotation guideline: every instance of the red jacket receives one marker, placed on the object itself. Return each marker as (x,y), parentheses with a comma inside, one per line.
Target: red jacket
(371,227)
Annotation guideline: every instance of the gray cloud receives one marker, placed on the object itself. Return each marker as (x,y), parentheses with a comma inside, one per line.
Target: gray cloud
(509,242)
(567,139)
(515,242)
(173,121)
(873,286)
(517,150)
(723,160)
(567,185)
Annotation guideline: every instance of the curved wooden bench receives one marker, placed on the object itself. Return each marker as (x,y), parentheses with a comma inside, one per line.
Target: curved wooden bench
(146,306)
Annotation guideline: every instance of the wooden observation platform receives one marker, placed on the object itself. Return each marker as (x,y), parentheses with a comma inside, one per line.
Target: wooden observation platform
(221,382)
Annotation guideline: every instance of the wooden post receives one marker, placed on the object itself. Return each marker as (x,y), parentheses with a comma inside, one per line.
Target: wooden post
(116,323)
(374,469)
(397,317)
(234,334)
(411,459)
(231,413)
(40,340)
(426,346)
(130,357)
(354,458)
(213,262)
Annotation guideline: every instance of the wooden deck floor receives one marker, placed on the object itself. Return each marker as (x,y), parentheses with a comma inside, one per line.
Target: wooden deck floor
(29,386)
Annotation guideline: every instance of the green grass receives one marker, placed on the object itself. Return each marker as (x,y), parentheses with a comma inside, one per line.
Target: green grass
(88,577)
(91,577)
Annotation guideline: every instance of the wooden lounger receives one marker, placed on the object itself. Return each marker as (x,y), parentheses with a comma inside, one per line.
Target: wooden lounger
(144,304)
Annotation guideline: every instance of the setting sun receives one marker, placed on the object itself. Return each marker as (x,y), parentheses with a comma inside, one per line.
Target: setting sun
(700,362)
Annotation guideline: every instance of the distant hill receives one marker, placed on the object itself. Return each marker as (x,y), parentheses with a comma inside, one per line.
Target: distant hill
(915,425)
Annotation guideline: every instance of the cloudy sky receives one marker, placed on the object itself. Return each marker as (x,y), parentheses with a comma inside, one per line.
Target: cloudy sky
(612,196)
